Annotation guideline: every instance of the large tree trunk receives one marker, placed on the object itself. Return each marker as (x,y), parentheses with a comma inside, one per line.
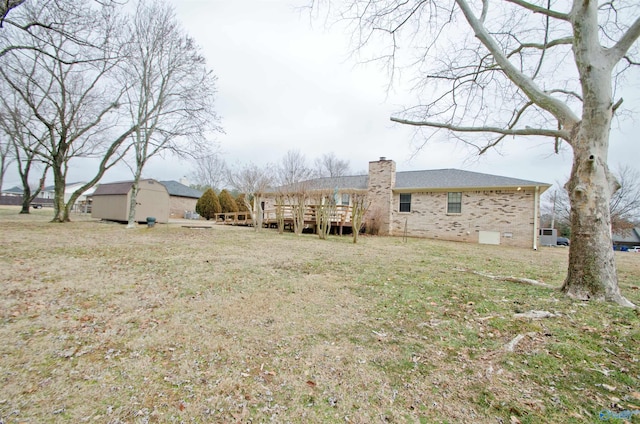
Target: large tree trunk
(26,190)
(26,201)
(257,213)
(133,201)
(59,207)
(131,221)
(592,267)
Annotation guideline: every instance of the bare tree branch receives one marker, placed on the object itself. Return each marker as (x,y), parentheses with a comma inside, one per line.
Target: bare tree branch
(623,45)
(565,41)
(497,130)
(542,10)
(559,109)
(171,96)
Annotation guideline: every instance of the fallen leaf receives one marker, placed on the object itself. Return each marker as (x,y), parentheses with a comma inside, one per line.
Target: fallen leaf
(311,383)
(608,387)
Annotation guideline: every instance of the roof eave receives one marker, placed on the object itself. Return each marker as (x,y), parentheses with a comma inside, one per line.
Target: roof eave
(543,187)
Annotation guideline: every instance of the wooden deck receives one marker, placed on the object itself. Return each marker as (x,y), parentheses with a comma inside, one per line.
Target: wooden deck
(340,219)
(234,218)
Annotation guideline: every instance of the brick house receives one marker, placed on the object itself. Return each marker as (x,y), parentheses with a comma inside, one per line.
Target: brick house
(446,204)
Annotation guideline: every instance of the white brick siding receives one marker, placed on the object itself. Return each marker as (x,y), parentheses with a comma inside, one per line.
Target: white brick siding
(509,212)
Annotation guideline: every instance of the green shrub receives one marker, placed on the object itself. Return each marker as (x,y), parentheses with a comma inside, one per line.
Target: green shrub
(240,202)
(227,202)
(208,205)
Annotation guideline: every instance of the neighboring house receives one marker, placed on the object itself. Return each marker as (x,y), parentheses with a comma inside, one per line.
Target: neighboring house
(629,238)
(11,196)
(111,201)
(13,191)
(447,204)
(182,198)
(48,193)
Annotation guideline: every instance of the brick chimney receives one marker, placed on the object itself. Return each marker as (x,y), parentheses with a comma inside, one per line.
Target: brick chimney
(382,179)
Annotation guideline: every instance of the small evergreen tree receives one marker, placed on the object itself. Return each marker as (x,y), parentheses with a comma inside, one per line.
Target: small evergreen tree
(227,202)
(208,205)
(242,207)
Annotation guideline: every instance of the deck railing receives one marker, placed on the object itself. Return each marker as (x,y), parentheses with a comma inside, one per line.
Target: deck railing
(234,218)
(341,215)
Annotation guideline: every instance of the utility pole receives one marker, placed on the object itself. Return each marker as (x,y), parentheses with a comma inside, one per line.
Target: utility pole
(553,212)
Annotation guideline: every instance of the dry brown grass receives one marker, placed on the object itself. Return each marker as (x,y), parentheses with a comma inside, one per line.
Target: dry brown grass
(170,324)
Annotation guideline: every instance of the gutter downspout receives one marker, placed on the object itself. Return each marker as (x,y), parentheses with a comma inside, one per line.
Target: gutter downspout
(536,207)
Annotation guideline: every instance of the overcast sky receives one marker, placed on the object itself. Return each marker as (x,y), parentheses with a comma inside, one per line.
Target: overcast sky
(286,82)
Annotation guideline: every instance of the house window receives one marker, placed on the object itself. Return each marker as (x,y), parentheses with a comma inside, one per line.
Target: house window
(454,202)
(345,199)
(405,202)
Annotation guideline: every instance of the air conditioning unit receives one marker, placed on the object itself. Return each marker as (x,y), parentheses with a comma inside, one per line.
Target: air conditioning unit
(548,236)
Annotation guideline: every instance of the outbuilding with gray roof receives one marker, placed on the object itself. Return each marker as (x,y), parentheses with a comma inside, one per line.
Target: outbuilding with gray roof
(182,198)
(111,201)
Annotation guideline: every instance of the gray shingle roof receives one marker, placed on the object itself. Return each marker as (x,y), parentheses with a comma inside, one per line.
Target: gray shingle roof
(631,236)
(180,190)
(456,178)
(437,179)
(121,187)
(353,182)
(14,190)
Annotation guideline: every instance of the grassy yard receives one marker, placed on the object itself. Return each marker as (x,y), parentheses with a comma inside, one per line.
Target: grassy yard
(102,324)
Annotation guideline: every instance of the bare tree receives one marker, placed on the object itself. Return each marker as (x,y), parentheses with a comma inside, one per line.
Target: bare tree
(359,209)
(624,206)
(293,175)
(25,23)
(625,203)
(171,91)
(330,166)
(24,136)
(6,150)
(252,180)
(210,171)
(297,197)
(494,69)
(555,210)
(69,88)
(293,168)
(325,208)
